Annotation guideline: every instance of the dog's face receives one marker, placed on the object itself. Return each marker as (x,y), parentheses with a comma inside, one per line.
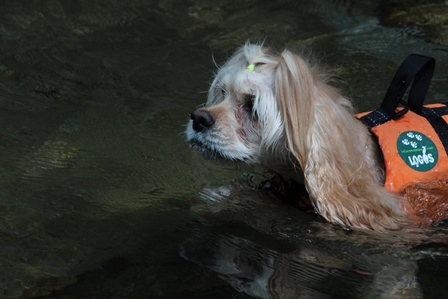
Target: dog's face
(241,118)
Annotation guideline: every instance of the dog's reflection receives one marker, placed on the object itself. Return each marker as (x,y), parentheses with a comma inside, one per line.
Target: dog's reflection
(264,266)
(302,273)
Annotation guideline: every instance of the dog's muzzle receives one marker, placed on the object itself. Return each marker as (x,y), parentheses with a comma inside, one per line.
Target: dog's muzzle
(202,120)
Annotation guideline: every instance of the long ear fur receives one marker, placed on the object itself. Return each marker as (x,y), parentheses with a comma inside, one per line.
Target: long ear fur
(334,150)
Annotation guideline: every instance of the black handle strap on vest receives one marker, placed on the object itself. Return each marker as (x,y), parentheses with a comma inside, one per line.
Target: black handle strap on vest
(418,70)
(417,96)
(434,117)
(415,68)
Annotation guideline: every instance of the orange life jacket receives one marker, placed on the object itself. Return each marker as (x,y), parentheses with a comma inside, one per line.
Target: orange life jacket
(414,138)
(413,151)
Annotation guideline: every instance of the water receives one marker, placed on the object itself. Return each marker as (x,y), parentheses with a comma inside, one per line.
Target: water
(100,195)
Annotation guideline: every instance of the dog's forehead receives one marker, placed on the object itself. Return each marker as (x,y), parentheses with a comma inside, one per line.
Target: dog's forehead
(238,78)
(232,68)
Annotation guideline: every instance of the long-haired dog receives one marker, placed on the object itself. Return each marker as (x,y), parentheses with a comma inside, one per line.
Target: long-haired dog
(264,105)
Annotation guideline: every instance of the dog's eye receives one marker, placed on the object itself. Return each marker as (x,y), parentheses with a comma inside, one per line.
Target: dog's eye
(223,92)
(249,104)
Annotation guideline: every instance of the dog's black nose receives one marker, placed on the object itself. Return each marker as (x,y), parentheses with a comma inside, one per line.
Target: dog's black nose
(202,120)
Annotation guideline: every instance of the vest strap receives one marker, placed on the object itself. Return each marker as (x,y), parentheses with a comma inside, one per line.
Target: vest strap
(415,68)
(434,117)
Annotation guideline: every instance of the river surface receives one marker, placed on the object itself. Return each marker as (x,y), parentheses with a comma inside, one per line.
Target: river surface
(100,195)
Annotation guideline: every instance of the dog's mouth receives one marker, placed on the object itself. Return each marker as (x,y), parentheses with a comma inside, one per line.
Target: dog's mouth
(205,148)
(213,151)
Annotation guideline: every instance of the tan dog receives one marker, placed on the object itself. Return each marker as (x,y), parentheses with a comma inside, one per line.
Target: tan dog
(265,106)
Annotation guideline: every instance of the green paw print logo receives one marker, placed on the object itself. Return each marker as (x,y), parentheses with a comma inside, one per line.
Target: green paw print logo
(417,150)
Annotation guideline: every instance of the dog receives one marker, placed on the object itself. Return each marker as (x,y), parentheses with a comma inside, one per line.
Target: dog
(265,106)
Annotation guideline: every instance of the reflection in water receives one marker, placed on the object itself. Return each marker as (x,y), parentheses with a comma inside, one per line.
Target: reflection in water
(99,191)
(265,273)
(305,273)
(298,258)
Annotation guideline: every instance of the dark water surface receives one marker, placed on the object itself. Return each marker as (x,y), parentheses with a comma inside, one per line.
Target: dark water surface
(101,197)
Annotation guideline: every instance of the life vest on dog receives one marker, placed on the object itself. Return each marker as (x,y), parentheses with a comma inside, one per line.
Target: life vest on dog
(412,149)
(414,138)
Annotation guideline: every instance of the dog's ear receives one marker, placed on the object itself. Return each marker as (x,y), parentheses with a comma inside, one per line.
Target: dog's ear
(294,90)
(333,149)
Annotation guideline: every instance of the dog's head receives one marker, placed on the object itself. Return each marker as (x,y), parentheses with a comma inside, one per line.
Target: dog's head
(241,117)
(252,106)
